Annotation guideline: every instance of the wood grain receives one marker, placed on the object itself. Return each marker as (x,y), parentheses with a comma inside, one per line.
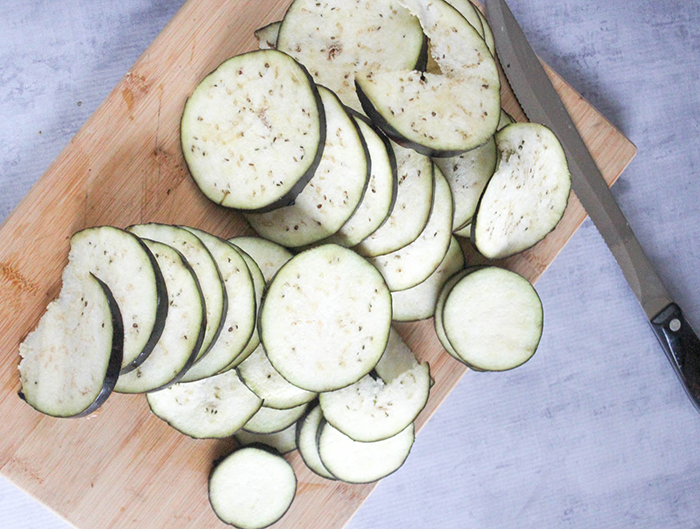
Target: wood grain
(123,467)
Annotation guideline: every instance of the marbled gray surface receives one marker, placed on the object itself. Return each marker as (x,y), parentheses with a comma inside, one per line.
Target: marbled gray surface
(595,431)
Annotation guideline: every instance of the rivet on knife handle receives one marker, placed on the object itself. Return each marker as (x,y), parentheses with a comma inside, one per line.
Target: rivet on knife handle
(682,347)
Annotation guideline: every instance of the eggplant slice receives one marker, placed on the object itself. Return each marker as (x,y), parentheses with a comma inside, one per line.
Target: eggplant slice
(527,195)
(413,264)
(373,408)
(204,266)
(355,462)
(267,35)
(380,196)
(307,441)
(418,303)
(240,317)
(183,333)
(337,39)
(414,199)
(334,192)
(252,488)
(441,114)
(214,407)
(325,319)
(253,131)
(70,362)
(467,175)
(126,266)
(492,317)
(283,441)
(270,420)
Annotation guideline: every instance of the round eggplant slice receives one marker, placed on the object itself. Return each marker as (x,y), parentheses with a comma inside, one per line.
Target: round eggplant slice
(465,232)
(488,34)
(307,441)
(467,175)
(259,286)
(437,114)
(373,409)
(252,488)
(284,441)
(270,420)
(505,120)
(126,266)
(414,199)
(325,319)
(355,462)
(527,195)
(418,303)
(259,375)
(215,407)
(492,317)
(268,255)
(333,193)
(336,40)
(184,327)
(253,131)
(204,266)
(380,196)
(413,264)
(70,362)
(240,316)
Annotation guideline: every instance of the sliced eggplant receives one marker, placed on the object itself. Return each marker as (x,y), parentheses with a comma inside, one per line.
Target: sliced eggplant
(252,488)
(259,286)
(267,35)
(70,362)
(336,40)
(284,441)
(241,308)
(127,266)
(439,327)
(325,319)
(204,266)
(307,441)
(414,198)
(467,175)
(215,407)
(268,255)
(183,333)
(380,196)
(270,420)
(441,114)
(355,462)
(470,12)
(259,375)
(373,409)
(413,264)
(253,131)
(527,195)
(492,317)
(335,190)
(418,303)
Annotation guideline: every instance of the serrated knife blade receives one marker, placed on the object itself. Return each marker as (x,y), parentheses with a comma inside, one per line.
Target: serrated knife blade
(541,103)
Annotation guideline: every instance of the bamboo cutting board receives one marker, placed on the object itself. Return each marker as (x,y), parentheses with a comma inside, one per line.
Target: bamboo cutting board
(124,467)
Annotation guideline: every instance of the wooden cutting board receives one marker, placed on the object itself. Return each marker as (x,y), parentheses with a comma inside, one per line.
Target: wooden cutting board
(124,467)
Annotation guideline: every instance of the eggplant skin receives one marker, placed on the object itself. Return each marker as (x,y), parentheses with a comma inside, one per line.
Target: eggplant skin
(113,365)
(394,134)
(422,61)
(161,312)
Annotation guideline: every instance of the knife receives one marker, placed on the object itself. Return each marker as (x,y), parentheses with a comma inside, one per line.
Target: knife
(541,103)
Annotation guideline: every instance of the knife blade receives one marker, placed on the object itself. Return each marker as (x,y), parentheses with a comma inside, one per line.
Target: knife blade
(541,104)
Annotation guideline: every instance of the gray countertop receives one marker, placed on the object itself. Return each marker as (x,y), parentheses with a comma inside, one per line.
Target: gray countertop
(595,431)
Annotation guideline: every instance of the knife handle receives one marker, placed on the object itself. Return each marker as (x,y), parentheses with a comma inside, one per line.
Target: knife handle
(682,347)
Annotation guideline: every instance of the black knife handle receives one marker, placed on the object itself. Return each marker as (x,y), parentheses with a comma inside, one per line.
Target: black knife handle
(682,347)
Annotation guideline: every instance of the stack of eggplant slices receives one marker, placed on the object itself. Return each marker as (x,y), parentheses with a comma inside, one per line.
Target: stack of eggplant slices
(358,141)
